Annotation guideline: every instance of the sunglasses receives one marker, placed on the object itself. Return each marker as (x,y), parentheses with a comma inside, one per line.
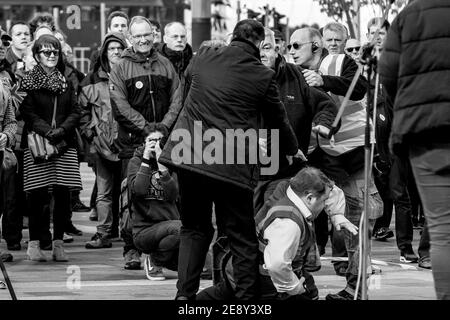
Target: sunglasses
(353,49)
(48,53)
(6,43)
(297,45)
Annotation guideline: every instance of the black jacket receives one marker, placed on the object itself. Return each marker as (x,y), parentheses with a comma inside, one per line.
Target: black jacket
(415,69)
(37,110)
(143,89)
(305,106)
(180,59)
(153,195)
(230,89)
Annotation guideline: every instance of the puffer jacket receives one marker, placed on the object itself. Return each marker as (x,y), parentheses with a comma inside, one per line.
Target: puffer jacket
(97,122)
(143,89)
(415,69)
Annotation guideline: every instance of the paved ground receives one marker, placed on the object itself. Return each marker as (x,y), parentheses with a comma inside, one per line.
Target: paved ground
(99,274)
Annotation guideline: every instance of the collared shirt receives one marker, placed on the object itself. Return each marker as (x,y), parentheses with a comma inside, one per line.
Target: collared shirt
(283,237)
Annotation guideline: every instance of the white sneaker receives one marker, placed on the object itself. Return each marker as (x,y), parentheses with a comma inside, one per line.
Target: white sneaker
(153,273)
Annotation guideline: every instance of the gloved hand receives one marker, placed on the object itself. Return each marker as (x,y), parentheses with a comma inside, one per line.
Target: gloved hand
(55,135)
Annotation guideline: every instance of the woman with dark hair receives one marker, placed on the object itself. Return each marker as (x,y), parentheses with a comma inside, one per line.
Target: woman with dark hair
(50,110)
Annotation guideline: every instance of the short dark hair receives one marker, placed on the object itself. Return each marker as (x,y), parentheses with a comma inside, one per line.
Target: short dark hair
(43,17)
(16,23)
(114,14)
(158,126)
(49,40)
(310,180)
(250,30)
(156,24)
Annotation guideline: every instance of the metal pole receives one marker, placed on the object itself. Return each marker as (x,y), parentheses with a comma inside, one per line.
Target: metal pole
(201,22)
(356,7)
(102,21)
(238,10)
(8,282)
(56,17)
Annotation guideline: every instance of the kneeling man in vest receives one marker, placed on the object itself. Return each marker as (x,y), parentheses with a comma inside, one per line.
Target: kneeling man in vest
(286,236)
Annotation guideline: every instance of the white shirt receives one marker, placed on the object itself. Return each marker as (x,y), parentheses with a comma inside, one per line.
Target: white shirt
(283,236)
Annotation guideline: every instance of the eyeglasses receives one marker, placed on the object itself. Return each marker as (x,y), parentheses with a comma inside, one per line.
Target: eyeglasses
(297,45)
(115,49)
(48,53)
(354,49)
(145,36)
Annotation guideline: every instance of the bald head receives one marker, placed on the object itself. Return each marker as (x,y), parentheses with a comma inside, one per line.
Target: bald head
(302,47)
(175,36)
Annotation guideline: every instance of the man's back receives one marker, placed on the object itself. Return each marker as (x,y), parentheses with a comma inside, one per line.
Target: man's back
(416,70)
(229,83)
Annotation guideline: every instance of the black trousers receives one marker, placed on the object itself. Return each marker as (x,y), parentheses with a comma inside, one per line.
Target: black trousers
(234,215)
(400,172)
(39,218)
(127,233)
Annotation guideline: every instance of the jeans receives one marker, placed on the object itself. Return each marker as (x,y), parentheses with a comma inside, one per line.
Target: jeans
(353,190)
(108,192)
(234,215)
(162,242)
(431,167)
(126,227)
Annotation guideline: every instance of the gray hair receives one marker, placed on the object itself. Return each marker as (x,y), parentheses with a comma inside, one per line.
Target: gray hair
(336,27)
(166,28)
(138,19)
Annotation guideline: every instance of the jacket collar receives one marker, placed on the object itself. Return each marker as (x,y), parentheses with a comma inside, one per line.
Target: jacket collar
(247,46)
(299,203)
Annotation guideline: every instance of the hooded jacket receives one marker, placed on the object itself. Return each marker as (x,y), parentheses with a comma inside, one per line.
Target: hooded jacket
(153,194)
(230,89)
(143,89)
(180,59)
(97,123)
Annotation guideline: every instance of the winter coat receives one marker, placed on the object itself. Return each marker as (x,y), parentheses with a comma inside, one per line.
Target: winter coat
(415,69)
(305,106)
(97,124)
(230,89)
(143,89)
(37,111)
(180,59)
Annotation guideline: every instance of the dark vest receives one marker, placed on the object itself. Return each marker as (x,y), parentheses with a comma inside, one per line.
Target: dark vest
(306,253)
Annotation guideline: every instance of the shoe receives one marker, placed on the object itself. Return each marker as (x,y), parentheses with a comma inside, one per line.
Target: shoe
(341,295)
(34,252)
(67,238)
(98,241)
(383,234)
(152,272)
(72,231)
(181,298)
(14,246)
(58,253)
(94,215)
(6,257)
(132,260)
(408,256)
(425,263)
(79,206)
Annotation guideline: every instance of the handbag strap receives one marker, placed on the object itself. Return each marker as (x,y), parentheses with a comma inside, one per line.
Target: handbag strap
(54,113)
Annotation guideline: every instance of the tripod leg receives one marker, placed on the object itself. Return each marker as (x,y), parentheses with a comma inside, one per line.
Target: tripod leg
(8,282)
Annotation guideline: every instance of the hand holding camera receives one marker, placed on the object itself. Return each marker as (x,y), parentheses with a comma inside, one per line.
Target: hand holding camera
(55,136)
(153,151)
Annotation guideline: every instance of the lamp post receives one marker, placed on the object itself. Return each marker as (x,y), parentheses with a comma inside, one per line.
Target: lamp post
(201,22)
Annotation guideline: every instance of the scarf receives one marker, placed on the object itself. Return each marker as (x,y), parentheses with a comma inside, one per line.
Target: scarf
(38,79)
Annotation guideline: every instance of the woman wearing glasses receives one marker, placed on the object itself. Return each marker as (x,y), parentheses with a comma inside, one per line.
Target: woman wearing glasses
(50,110)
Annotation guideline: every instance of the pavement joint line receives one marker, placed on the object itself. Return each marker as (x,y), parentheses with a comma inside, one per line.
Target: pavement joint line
(377,262)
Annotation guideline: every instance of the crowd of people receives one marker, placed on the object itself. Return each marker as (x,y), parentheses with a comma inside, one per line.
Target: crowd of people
(147,88)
